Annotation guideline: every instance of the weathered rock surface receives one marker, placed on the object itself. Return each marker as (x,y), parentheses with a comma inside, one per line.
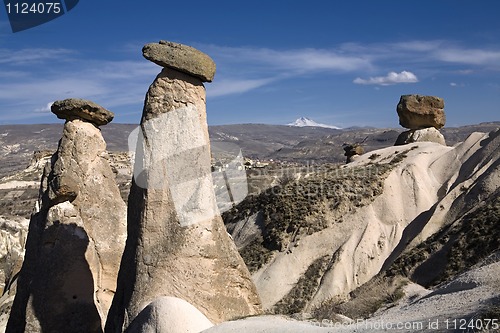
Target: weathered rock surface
(13,233)
(12,240)
(429,134)
(417,111)
(177,244)
(181,57)
(169,315)
(75,240)
(76,108)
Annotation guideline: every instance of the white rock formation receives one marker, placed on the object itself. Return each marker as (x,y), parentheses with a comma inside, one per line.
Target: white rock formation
(169,315)
(75,240)
(429,134)
(177,245)
(431,187)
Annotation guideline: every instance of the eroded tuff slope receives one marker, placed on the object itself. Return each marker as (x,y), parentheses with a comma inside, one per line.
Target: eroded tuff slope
(465,304)
(319,237)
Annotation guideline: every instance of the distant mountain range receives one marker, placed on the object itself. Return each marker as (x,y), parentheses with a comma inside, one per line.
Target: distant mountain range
(257,141)
(308,122)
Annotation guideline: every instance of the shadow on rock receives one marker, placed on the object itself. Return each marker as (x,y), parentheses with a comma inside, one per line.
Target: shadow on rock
(61,287)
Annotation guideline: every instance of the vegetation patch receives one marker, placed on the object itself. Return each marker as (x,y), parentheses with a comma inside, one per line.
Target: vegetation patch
(296,300)
(299,204)
(364,301)
(462,245)
(255,255)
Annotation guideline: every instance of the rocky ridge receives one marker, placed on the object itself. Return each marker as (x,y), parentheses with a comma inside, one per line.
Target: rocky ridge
(422,192)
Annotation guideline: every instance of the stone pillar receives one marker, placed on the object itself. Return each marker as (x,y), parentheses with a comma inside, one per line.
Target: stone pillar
(177,244)
(423,116)
(76,239)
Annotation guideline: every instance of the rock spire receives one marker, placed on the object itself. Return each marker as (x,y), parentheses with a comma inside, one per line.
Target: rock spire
(76,238)
(423,116)
(177,244)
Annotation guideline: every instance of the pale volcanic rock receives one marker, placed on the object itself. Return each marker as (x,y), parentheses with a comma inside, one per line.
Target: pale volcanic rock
(427,183)
(417,112)
(177,244)
(76,108)
(12,240)
(75,240)
(181,57)
(169,315)
(429,134)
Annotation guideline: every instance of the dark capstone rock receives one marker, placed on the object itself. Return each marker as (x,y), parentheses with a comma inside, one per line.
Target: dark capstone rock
(181,57)
(417,111)
(76,108)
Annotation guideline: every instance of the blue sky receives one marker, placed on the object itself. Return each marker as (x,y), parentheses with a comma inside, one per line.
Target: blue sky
(343,63)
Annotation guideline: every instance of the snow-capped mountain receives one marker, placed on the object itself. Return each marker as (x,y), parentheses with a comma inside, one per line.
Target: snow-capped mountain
(304,121)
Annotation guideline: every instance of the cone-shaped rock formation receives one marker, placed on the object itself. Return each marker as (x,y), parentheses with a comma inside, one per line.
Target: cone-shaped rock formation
(177,244)
(77,236)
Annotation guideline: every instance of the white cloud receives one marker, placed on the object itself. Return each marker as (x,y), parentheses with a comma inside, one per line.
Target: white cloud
(113,84)
(419,45)
(12,74)
(28,78)
(44,109)
(453,84)
(427,53)
(468,56)
(37,90)
(296,60)
(35,55)
(390,78)
(234,86)
(315,60)
(122,70)
(464,71)
(243,69)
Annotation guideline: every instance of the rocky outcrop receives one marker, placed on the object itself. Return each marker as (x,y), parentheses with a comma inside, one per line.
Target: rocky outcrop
(77,236)
(352,151)
(177,245)
(429,134)
(417,112)
(424,116)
